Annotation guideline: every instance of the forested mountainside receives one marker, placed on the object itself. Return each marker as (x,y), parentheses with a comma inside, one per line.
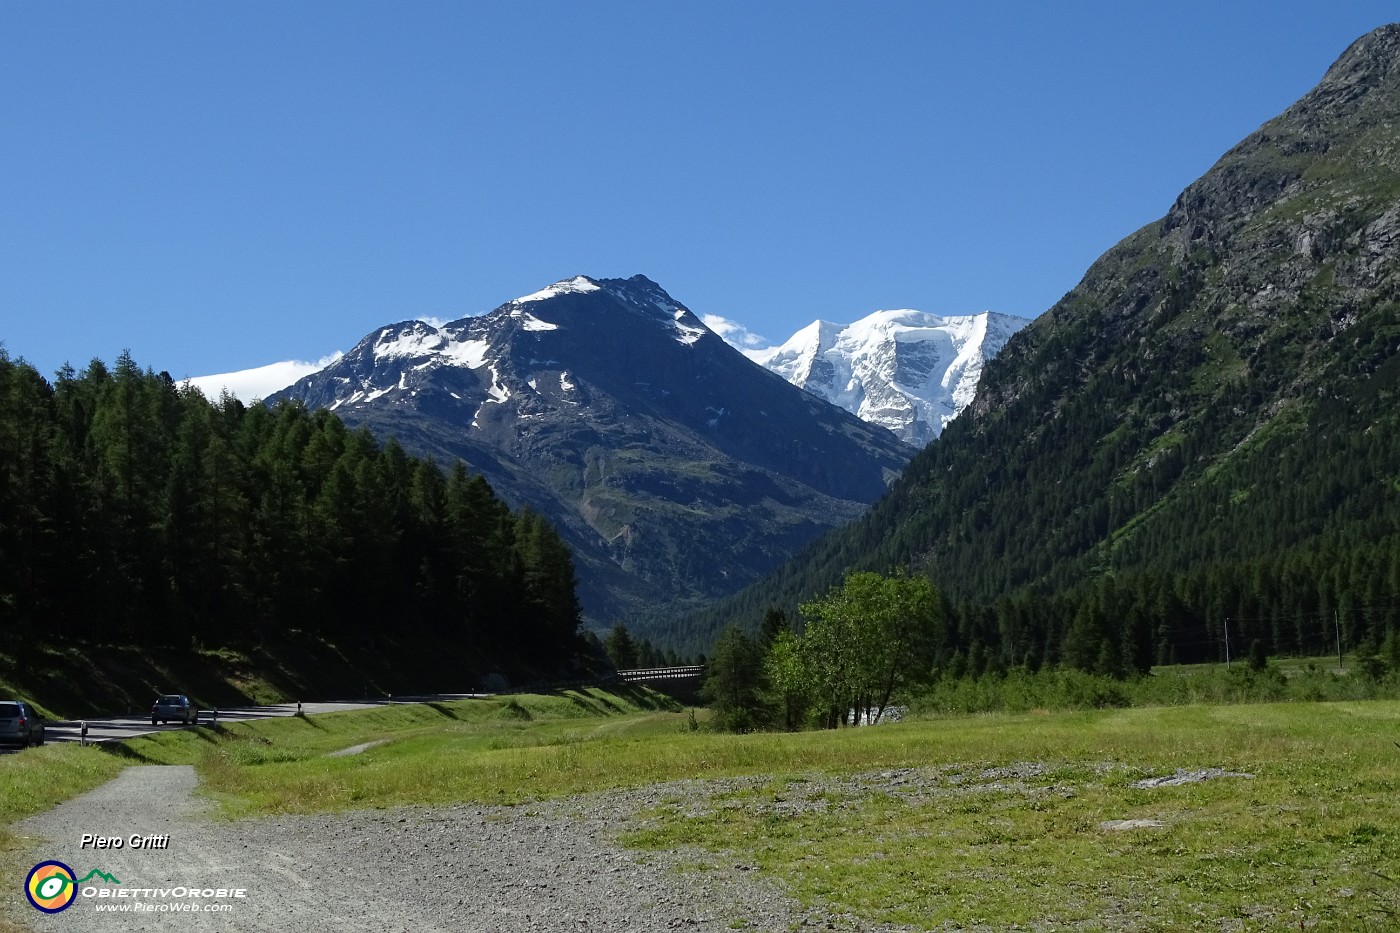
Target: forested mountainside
(1205,429)
(135,512)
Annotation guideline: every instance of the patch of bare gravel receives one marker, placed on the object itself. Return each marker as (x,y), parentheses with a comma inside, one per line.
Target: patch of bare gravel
(1184,776)
(553,866)
(355,749)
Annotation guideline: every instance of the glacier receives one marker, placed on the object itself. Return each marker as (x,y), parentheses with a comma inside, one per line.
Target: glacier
(909,371)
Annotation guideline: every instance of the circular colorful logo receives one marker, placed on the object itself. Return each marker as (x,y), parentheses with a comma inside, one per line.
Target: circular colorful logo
(51,887)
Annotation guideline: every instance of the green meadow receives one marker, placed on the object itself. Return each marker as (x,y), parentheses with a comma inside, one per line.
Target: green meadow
(951,822)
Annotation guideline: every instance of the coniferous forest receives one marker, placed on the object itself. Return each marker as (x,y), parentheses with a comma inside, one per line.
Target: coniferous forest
(135,511)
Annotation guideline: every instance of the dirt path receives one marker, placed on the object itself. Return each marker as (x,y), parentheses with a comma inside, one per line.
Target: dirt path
(546,867)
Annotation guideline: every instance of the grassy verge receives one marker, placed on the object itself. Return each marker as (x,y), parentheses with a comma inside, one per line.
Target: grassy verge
(274,765)
(500,750)
(36,780)
(70,681)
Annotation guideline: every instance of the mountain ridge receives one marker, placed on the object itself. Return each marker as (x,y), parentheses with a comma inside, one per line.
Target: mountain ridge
(610,408)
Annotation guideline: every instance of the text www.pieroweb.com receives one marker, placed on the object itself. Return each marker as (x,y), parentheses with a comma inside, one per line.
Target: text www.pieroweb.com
(179,907)
(181,900)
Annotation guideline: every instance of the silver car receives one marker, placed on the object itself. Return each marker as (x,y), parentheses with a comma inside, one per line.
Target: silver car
(173,707)
(20,724)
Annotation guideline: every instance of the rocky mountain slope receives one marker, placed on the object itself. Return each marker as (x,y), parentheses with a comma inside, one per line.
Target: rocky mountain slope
(1205,427)
(909,371)
(676,469)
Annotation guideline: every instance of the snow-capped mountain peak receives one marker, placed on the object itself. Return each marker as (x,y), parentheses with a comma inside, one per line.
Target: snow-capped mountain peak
(511,352)
(910,371)
(577,285)
(410,338)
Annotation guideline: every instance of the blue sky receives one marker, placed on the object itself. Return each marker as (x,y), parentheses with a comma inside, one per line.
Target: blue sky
(220,186)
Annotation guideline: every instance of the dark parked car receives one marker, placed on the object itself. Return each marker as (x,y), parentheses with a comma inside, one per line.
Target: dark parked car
(20,724)
(173,707)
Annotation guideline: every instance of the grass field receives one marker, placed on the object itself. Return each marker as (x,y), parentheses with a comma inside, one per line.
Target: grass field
(973,821)
(1007,823)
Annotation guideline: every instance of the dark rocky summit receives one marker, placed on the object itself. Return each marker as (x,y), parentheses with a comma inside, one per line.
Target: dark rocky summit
(677,469)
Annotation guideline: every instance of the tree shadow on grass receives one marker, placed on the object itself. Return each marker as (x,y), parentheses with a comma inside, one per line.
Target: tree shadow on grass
(208,733)
(646,698)
(124,751)
(613,697)
(589,704)
(606,704)
(442,710)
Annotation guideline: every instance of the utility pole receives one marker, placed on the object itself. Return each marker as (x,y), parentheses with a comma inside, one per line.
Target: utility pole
(1227,643)
(1336,622)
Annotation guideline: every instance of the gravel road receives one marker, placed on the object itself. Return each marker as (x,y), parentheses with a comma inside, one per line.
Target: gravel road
(552,866)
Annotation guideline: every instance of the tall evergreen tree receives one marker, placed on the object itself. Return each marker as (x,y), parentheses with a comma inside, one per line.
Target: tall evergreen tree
(734,682)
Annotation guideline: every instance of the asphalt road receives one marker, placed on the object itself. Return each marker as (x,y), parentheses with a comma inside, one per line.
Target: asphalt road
(116,728)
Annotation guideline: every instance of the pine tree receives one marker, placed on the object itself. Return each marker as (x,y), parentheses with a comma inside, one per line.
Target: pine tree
(621,649)
(734,682)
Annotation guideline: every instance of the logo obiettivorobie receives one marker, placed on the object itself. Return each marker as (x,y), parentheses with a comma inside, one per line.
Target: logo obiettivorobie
(51,887)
